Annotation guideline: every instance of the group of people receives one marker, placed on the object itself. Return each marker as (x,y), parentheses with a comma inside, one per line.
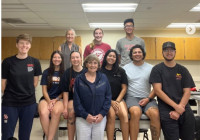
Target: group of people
(110,83)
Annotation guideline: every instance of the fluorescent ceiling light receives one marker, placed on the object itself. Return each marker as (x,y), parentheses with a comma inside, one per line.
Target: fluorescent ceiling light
(106,25)
(109,7)
(196,8)
(182,25)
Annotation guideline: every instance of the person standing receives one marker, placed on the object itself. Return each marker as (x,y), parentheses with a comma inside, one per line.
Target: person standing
(50,104)
(118,82)
(125,44)
(172,83)
(20,75)
(97,47)
(92,100)
(67,84)
(68,47)
(139,97)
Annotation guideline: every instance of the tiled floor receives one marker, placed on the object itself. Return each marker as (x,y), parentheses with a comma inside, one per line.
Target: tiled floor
(37,133)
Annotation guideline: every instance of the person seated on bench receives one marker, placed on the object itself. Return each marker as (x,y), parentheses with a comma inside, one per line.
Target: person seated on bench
(67,84)
(140,98)
(50,103)
(92,100)
(118,82)
(172,83)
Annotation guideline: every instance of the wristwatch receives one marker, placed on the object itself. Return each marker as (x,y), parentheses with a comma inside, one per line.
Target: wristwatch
(150,99)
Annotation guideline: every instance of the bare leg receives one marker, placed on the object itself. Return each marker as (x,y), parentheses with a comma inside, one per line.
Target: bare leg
(123,116)
(55,119)
(110,125)
(44,115)
(135,113)
(154,117)
(71,121)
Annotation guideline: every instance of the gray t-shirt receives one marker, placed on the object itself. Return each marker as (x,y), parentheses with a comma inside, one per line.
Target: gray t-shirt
(138,79)
(123,48)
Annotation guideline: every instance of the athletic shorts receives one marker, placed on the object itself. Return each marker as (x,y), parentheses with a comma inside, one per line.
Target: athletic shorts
(133,101)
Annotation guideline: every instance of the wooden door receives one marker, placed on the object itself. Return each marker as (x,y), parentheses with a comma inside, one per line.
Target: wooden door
(150,46)
(8,47)
(46,48)
(192,48)
(35,48)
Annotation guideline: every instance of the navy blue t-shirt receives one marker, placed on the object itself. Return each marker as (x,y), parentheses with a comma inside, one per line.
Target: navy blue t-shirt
(54,91)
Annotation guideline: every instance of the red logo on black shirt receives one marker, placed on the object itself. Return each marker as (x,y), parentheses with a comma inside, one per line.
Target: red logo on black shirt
(5,117)
(30,67)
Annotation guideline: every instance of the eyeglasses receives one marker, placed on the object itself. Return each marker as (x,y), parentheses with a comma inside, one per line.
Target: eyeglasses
(169,51)
(128,26)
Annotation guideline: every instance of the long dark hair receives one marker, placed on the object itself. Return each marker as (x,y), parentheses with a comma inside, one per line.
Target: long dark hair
(115,66)
(51,68)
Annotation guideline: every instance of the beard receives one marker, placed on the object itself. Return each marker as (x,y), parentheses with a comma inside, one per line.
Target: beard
(168,59)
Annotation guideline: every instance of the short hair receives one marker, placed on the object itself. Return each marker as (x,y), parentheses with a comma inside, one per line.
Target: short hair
(91,57)
(141,48)
(70,29)
(25,36)
(129,20)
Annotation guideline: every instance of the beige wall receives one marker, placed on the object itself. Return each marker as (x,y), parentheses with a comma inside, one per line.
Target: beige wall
(111,38)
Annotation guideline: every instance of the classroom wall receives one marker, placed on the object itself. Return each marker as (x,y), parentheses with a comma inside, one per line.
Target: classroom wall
(111,37)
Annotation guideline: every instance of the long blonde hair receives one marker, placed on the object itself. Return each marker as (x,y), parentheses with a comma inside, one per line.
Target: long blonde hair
(92,44)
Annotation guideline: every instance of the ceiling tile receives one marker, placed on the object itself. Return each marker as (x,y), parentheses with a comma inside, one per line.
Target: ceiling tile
(55,7)
(60,15)
(19,15)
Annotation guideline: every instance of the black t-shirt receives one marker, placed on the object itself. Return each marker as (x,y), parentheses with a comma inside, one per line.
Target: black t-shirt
(20,90)
(67,81)
(116,79)
(173,81)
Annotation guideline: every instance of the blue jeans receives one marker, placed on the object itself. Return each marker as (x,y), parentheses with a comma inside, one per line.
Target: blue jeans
(10,116)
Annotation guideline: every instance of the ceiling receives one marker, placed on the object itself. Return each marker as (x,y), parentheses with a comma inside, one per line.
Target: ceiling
(60,14)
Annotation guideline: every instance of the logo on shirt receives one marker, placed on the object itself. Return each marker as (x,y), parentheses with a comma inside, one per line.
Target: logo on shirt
(30,67)
(55,80)
(178,76)
(5,117)
(99,53)
(128,46)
